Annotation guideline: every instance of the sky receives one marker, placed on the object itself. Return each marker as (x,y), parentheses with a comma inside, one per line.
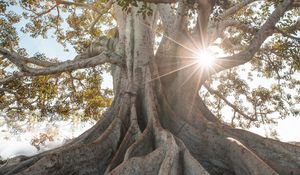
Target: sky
(288,129)
(49,46)
(20,144)
(13,144)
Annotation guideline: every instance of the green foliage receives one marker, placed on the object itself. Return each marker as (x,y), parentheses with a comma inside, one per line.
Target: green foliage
(62,96)
(70,24)
(8,34)
(145,10)
(125,4)
(80,92)
(267,88)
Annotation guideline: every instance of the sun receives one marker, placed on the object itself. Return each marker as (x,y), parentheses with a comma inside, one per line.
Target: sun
(205,57)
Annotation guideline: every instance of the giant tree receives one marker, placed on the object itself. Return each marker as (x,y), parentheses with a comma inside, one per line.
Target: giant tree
(158,122)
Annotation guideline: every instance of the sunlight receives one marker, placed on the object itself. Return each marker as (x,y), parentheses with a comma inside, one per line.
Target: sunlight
(205,58)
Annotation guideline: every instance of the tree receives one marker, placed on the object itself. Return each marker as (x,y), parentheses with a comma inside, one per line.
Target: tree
(157,122)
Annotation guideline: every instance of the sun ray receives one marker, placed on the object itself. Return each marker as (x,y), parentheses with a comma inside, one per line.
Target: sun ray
(190,75)
(180,44)
(183,67)
(204,58)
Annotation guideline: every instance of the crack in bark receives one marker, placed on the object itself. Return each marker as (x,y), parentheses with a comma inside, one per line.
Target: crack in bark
(182,137)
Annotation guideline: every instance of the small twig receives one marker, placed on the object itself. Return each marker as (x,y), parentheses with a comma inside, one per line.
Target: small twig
(105,9)
(234,9)
(45,12)
(212,91)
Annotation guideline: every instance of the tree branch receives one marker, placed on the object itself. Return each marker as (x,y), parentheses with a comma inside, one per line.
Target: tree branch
(78,4)
(105,9)
(78,64)
(234,23)
(220,27)
(293,28)
(18,59)
(285,34)
(212,91)
(296,3)
(167,16)
(234,9)
(46,11)
(12,77)
(245,56)
(8,90)
(102,58)
(173,23)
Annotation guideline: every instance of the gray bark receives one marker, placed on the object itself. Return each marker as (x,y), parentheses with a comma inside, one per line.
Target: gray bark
(157,123)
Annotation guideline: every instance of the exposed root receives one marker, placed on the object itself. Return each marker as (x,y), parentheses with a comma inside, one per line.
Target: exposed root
(177,147)
(132,134)
(168,157)
(284,158)
(91,158)
(157,151)
(148,164)
(244,161)
(178,159)
(191,165)
(119,109)
(170,164)
(142,146)
(17,166)
(257,156)
(174,158)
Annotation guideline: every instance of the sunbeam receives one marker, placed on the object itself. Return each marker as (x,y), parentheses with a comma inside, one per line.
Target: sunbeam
(205,58)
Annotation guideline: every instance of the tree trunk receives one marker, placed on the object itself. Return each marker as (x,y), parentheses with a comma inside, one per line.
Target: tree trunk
(157,123)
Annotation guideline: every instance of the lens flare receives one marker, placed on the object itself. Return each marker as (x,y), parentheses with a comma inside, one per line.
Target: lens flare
(205,58)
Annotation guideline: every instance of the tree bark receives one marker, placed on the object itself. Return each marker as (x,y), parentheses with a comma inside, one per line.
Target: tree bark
(157,123)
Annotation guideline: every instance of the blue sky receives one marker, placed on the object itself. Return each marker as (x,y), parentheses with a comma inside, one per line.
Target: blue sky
(51,48)
(288,129)
(48,46)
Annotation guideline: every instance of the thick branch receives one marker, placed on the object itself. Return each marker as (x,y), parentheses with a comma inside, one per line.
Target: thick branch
(65,66)
(234,23)
(296,3)
(14,58)
(234,9)
(167,16)
(173,22)
(18,59)
(266,30)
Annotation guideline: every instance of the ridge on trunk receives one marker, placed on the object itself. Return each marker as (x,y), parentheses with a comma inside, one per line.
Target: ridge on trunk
(157,123)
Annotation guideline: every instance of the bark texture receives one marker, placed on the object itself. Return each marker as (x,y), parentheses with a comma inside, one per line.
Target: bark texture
(157,123)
